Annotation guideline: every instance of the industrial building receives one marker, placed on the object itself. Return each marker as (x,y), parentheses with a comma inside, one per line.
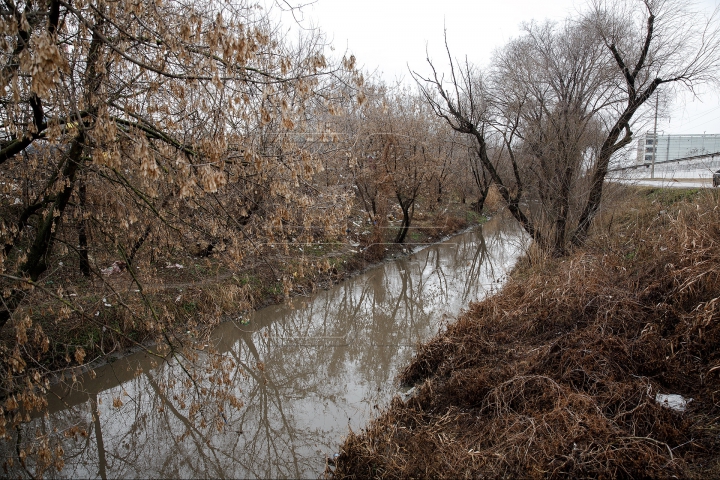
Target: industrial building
(673,147)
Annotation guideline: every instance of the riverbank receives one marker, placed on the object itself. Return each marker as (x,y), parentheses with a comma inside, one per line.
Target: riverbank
(179,300)
(583,366)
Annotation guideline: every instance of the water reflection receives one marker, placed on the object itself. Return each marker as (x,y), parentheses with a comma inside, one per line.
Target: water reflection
(306,372)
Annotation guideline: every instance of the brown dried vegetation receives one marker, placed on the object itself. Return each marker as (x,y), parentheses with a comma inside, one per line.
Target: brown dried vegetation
(137,136)
(557,375)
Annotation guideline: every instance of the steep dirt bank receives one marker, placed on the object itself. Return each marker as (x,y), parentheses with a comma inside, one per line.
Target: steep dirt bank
(564,372)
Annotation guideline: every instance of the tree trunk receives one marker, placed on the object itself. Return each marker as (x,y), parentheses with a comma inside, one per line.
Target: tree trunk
(82,231)
(407,207)
(36,262)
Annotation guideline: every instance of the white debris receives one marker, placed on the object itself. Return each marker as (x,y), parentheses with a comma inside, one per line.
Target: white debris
(673,401)
(116,267)
(177,265)
(408,394)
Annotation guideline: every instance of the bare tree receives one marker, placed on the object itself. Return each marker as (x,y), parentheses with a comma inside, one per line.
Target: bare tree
(560,100)
(652,43)
(467,107)
(549,87)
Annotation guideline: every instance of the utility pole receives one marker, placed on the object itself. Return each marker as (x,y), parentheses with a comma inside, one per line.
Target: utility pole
(652,169)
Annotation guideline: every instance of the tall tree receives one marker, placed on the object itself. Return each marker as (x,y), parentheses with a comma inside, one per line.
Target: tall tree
(550,85)
(652,43)
(560,100)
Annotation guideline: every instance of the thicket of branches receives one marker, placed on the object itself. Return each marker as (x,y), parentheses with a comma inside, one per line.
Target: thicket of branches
(129,120)
(131,127)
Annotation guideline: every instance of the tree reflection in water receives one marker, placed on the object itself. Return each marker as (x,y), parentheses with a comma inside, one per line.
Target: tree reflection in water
(305,372)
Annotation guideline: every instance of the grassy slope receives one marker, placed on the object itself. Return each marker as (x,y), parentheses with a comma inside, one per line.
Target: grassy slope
(558,374)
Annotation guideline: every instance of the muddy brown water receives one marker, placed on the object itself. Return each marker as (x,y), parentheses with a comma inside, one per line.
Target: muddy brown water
(307,372)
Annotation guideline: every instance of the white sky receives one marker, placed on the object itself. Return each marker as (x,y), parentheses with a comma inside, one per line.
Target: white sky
(387,36)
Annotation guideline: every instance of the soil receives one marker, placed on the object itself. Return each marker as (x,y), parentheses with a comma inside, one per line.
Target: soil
(604,363)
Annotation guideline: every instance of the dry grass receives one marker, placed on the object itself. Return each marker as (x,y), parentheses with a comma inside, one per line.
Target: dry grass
(494,202)
(557,375)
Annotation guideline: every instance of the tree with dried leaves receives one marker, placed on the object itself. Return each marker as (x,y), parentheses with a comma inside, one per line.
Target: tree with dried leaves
(136,111)
(393,149)
(128,120)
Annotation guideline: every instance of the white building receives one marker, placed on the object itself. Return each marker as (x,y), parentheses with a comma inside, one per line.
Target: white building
(674,147)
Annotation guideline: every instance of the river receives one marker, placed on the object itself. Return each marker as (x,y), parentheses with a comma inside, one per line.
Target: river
(306,372)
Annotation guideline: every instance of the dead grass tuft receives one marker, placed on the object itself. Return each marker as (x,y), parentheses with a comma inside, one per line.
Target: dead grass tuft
(494,201)
(558,374)
(442,224)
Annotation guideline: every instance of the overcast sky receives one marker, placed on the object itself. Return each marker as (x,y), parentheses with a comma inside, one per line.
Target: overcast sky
(387,36)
